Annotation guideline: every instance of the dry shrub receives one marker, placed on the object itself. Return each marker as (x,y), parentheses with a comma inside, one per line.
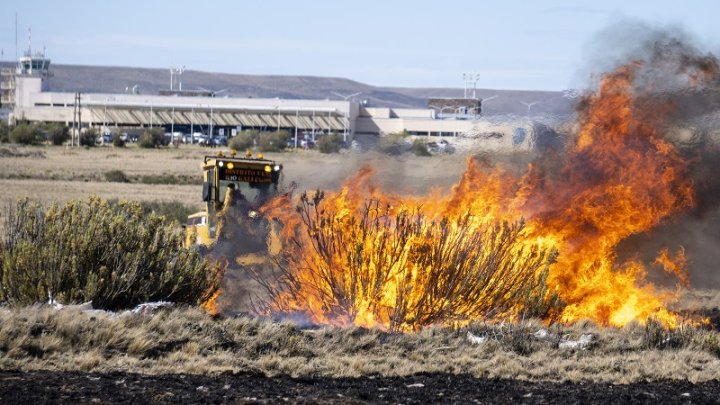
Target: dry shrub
(686,336)
(439,272)
(110,254)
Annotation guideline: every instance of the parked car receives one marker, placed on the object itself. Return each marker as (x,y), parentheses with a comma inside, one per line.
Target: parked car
(202,140)
(106,137)
(307,144)
(442,146)
(220,140)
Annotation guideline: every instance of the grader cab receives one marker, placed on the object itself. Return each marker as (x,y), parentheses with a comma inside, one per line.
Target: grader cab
(238,183)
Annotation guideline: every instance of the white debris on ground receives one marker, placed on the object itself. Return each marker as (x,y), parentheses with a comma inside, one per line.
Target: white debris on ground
(476,340)
(150,308)
(583,342)
(541,334)
(147,308)
(82,307)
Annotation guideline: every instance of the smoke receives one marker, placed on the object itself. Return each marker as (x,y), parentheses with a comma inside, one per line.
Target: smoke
(402,174)
(677,85)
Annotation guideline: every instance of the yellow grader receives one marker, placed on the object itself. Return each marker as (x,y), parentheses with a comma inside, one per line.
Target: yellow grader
(232,186)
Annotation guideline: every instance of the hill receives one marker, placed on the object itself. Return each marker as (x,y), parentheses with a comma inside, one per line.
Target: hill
(114,79)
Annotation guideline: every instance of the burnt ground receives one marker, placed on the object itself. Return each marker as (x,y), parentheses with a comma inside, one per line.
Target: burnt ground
(48,387)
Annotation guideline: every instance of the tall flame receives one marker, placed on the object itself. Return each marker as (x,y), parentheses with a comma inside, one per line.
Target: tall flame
(211,305)
(618,178)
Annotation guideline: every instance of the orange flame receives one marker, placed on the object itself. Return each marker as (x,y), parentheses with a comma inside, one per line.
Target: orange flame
(211,305)
(619,178)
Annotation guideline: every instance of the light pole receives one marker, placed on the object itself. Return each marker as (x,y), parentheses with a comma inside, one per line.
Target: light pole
(484,100)
(172,125)
(348,96)
(313,125)
(470,77)
(176,71)
(105,118)
(297,115)
(192,122)
(211,122)
(529,105)
(212,92)
(179,72)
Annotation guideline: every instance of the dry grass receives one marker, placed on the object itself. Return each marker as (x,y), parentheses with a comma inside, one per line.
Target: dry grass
(59,173)
(189,341)
(65,174)
(47,191)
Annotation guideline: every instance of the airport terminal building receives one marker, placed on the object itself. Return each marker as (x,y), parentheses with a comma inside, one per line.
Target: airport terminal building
(25,90)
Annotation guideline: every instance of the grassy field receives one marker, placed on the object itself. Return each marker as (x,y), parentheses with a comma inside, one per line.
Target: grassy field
(190,341)
(57,173)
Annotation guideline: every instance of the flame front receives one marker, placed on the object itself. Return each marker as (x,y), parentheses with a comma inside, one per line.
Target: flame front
(618,178)
(211,305)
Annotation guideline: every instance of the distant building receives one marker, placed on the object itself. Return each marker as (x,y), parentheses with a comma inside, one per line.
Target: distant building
(26,92)
(459,108)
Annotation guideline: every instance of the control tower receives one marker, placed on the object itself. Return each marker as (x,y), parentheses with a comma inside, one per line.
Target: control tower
(33,64)
(30,76)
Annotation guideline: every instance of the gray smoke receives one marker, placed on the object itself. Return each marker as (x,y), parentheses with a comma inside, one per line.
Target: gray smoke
(678,76)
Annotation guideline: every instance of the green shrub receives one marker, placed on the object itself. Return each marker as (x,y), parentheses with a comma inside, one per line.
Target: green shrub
(26,134)
(4,132)
(152,138)
(171,210)
(118,141)
(58,133)
(419,148)
(273,141)
(92,250)
(392,144)
(116,176)
(330,143)
(244,140)
(89,137)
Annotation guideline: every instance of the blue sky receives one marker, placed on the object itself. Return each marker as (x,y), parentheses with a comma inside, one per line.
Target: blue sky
(510,44)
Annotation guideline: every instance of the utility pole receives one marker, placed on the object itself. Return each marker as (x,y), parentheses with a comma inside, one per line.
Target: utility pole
(77,121)
(172,127)
(74,123)
(297,113)
(79,116)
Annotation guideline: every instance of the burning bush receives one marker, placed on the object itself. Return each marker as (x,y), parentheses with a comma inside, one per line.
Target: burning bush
(402,270)
(618,176)
(92,250)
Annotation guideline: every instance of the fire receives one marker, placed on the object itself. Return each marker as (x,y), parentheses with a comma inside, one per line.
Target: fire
(618,178)
(211,305)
